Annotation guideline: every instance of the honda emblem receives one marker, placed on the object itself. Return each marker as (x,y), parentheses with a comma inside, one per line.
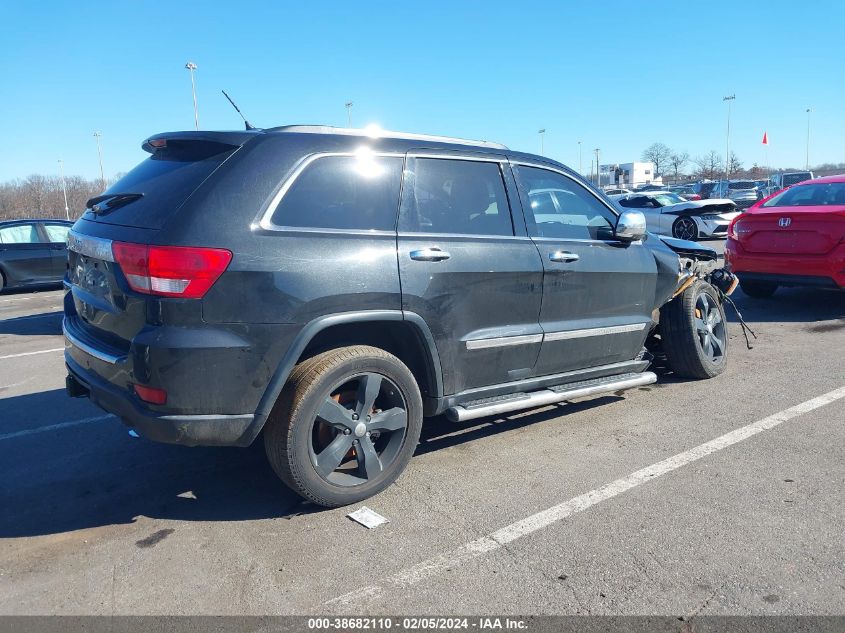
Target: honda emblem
(784,222)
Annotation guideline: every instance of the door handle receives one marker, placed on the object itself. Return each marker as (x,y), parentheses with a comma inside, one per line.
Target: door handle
(563,257)
(429,254)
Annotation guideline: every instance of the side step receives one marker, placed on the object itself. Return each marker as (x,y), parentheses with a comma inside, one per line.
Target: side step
(550,395)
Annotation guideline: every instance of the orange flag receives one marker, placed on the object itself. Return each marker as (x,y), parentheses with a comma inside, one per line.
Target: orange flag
(765,138)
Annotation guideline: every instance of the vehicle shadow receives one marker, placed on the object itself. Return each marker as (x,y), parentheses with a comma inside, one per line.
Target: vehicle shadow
(793,305)
(95,475)
(35,324)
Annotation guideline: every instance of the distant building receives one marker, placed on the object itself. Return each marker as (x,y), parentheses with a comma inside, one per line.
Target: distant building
(628,175)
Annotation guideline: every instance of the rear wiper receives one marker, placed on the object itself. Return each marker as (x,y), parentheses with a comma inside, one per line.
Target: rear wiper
(114,200)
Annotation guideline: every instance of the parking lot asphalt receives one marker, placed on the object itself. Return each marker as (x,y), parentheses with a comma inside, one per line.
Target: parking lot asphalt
(713,497)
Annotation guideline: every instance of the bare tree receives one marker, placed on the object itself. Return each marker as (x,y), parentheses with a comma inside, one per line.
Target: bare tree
(659,154)
(709,166)
(734,165)
(677,161)
(39,196)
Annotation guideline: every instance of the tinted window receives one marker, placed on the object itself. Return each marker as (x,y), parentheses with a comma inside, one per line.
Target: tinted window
(457,196)
(19,234)
(795,178)
(344,192)
(57,232)
(578,213)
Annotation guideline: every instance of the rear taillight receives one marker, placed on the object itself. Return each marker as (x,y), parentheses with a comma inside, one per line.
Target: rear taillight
(171,271)
(735,230)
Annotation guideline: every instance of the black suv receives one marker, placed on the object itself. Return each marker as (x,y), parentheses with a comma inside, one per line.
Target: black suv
(328,290)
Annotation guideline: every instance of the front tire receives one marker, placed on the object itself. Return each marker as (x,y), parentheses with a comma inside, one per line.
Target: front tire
(694,333)
(758,289)
(345,426)
(685,228)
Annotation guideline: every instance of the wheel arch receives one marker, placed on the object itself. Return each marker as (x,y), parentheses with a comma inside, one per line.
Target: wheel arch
(404,334)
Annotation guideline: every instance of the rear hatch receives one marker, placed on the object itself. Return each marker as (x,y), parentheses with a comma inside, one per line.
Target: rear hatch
(792,230)
(110,288)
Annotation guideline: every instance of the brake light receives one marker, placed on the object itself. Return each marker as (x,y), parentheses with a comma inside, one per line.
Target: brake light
(735,230)
(151,394)
(171,271)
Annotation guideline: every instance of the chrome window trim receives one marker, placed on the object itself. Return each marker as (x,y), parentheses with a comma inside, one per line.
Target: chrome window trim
(265,220)
(504,341)
(90,246)
(593,331)
(91,351)
(497,158)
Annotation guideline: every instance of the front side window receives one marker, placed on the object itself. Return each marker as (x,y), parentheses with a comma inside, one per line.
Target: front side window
(56,232)
(577,214)
(358,192)
(19,234)
(464,197)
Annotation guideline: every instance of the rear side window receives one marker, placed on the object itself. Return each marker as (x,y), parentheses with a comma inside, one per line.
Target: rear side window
(56,232)
(343,192)
(463,197)
(19,234)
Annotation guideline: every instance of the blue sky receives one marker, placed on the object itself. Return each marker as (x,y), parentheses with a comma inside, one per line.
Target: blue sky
(617,76)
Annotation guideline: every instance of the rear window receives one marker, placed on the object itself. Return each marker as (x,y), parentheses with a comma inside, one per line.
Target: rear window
(741,184)
(343,192)
(165,180)
(795,178)
(810,196)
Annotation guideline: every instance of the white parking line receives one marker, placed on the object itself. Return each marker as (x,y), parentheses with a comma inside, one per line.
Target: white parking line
(43,351)
(433,566)
(54,427)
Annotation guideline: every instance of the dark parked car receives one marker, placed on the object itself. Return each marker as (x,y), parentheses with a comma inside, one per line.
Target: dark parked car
(704,189)
(32,252)
(328,290)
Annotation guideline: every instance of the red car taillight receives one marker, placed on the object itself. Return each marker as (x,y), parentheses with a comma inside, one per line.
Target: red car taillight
(171,271)
(150,394)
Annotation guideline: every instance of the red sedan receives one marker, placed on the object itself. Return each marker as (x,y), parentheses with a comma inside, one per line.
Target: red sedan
(793,238)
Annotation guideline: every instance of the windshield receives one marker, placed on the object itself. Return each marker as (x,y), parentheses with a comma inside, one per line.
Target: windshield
(794,179)
(810,196)
(666,199)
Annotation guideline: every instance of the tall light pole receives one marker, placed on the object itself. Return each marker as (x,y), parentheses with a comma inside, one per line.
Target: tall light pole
(542,133)
(729,99)
(808,138)
(191,66)
(598,169)
(97,136)
(580,166)
(64,186)
(348,106)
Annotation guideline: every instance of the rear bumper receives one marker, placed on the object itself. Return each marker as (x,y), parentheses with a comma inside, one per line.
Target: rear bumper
(788,270)
(188,430)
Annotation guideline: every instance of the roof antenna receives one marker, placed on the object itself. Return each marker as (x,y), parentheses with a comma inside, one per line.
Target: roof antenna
(248,125)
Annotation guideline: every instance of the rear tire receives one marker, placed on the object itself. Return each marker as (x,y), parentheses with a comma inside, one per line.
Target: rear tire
(693,330)
(758,289)
(345,426)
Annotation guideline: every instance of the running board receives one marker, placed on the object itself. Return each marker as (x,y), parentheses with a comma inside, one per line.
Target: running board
(550,395)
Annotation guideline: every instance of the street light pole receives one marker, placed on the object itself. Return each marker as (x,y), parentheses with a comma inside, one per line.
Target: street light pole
(598,168)
(729,99)
(541,133)
(97,136)
(348,105)
(808,138)
(64,186)
(580,167)
(191,66)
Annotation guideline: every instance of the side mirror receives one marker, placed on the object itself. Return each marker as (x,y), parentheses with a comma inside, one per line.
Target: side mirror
(630,226)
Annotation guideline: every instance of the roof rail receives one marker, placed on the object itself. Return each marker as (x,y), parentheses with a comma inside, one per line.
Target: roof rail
(379,133)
